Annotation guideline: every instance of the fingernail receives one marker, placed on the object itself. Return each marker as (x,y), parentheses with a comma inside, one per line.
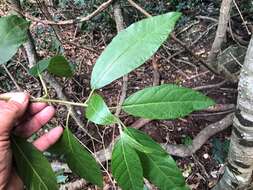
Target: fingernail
(19,98)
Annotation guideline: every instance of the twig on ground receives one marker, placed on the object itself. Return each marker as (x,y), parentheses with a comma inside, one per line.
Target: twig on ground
(187,27)
(12,78)
(207,18)
(203,34)
(139,8)
(210,86)
(244,22)
(65,22)
(156,74)
(81,47)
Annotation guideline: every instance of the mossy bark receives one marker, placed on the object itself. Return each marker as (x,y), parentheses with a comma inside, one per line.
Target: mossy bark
(238,172)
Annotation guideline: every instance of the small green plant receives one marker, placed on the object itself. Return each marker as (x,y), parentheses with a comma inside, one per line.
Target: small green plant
(135,155)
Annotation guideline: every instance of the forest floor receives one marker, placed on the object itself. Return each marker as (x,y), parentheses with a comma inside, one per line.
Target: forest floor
(174,65)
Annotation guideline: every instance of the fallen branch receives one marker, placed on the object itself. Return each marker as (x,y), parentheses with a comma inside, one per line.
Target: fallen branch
(200,139)
(65,22)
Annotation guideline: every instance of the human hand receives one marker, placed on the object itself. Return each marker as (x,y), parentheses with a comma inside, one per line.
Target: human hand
(19,117)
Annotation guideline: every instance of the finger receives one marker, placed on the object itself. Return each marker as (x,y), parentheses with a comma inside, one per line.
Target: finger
(48,139)
(36,107)
(12,109)
(15,183)
(37,121)
(33,108)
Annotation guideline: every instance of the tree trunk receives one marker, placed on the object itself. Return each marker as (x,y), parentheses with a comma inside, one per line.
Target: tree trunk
(238,172)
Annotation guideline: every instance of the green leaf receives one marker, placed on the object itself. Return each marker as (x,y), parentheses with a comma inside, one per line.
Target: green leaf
(32,166)
(40,67)
(126,166)
(161,170)
(144,139)
(56,65)
(165,102)
(131,48)
(98,112)
(13,33)
(78,158)
(158,166)
(61,67)
(135,144)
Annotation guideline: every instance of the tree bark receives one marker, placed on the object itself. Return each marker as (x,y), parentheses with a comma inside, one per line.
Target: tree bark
(238,172)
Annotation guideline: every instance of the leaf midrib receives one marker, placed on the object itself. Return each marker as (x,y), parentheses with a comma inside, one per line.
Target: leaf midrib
(157,103)
(124,156)
(30,164)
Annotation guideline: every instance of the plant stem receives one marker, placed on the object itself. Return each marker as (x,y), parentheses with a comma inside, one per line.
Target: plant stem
(50,101)
(121,124)
(43,85)
(58,102)
(92,91)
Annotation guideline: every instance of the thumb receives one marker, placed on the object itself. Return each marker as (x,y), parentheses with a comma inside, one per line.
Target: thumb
(11,110)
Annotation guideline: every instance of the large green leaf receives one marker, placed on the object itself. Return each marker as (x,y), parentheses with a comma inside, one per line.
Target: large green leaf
(32,166)
(126,166)
(98,112)
(165,102)
(158,167)
(78,158)
(57,65)
(13,33)
(131,48)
